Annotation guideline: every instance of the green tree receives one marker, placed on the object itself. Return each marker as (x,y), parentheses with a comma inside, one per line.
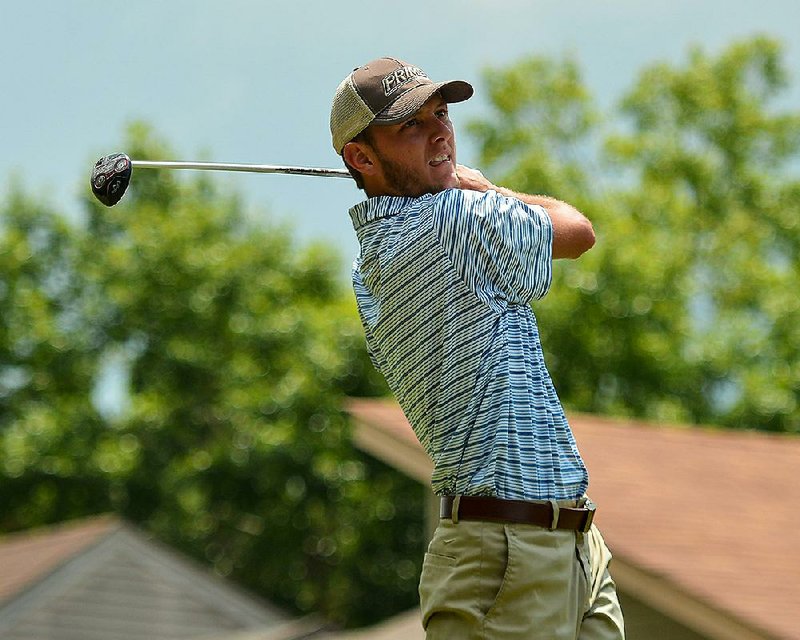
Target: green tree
(686,309)
(238,346)
(48,426)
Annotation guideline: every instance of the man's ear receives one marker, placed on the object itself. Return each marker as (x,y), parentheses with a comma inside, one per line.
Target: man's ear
(359,156)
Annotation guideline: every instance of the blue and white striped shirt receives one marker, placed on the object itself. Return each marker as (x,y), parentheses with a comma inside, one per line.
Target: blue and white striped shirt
(443,284)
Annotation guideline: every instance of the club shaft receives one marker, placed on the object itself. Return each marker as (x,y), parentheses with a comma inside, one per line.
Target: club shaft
(249,168)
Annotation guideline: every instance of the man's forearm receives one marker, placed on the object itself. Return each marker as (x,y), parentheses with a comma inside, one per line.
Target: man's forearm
(573,233)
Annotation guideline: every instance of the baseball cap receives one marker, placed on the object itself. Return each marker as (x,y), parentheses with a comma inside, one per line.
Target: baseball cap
(385,91)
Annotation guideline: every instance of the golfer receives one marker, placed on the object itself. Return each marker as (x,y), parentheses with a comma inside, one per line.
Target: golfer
(448,266)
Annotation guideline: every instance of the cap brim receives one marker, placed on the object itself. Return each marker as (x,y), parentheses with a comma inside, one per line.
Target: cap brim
(411,101)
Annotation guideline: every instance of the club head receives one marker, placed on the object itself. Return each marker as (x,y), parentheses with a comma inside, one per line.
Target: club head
(110,177)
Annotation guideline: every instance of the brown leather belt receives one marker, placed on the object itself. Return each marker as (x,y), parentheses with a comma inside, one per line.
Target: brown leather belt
(543,514)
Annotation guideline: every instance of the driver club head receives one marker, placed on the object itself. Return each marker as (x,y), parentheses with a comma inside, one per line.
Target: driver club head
(110,178)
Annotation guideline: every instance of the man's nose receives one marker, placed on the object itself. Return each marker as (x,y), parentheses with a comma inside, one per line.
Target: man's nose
(441,130)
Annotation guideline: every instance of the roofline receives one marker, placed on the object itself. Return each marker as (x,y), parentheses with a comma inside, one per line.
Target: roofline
(582,419)
(162,558)
(110,523)
(400,453)
(661,594)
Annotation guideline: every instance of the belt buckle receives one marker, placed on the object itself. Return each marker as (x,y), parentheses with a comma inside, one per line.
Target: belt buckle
(590,507)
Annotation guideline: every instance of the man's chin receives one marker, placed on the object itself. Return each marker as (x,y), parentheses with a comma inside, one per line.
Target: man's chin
(438,188)
(406,184)
(445,182)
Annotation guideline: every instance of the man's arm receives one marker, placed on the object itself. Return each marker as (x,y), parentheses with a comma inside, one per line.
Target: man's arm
(573,233)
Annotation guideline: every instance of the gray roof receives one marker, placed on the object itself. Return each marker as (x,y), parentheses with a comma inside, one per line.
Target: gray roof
(104,579)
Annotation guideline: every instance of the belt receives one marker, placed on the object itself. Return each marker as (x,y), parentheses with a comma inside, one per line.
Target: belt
(543,514)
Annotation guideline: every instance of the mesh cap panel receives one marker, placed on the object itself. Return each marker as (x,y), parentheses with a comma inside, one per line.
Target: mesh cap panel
(350,115)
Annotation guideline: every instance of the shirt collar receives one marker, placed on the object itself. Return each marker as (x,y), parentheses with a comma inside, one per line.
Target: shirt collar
(380,207)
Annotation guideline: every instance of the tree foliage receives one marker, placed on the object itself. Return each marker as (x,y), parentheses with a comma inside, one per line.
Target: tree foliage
(687,308)
(237,347)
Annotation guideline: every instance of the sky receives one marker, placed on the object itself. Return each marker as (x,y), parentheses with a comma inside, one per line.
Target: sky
(251,81)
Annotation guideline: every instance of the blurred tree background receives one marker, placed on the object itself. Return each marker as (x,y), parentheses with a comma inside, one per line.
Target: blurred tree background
(235,346)
(687,309)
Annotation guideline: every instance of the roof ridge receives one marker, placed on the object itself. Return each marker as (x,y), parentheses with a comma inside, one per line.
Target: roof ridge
(29,555)
(97,521)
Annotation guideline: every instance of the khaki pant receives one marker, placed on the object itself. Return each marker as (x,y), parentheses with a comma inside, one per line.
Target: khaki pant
(494,581)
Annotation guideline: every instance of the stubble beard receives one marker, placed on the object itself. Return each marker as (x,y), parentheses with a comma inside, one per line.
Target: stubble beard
(404,181)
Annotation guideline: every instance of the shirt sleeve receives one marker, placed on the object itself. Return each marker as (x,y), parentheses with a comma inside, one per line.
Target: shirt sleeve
(500,246)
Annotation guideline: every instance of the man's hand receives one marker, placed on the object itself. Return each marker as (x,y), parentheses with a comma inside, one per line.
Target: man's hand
(573,233)
(472,179)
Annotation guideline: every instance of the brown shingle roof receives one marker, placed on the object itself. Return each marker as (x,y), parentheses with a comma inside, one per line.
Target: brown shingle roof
(708,512)
(27,557)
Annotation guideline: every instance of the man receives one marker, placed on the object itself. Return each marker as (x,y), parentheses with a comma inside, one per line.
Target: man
(448,266)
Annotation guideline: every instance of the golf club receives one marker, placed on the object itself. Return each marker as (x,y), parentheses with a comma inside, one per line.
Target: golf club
(112,174)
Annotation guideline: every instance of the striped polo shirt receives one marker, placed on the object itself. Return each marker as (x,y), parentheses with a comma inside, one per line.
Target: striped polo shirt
(443,284)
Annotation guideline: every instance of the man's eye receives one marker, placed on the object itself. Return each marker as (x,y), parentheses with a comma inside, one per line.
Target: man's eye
(409,123)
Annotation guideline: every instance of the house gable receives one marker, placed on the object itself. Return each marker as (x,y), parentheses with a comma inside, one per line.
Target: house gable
(121,584)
